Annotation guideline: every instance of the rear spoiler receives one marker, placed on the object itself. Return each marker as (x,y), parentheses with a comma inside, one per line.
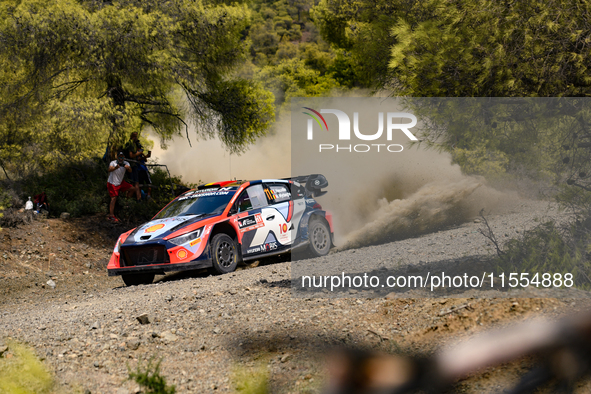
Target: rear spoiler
(312,185)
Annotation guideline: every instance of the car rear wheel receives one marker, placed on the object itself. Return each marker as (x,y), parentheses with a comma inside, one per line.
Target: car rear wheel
(319,235)
(137,279)
(224,254)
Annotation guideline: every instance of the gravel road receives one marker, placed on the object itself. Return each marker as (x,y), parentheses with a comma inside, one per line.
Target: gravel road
(207,329)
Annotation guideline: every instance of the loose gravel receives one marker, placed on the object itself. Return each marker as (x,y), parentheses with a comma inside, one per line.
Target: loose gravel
(206,329)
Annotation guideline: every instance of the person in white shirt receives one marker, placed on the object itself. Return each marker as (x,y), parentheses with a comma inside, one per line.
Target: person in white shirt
(116,184)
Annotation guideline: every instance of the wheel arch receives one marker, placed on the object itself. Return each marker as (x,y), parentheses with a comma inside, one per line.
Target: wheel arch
(319,215)
(224,227)
(228,229)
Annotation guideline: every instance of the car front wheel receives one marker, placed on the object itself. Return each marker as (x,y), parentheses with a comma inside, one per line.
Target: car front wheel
(224,254)
(319,235)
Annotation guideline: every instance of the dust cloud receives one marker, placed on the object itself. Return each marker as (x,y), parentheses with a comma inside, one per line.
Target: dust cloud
(207,160)
(372,202)
(379,196)
(404,200)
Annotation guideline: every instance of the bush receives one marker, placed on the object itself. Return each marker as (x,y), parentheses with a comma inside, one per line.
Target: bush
(164,189)
(550,249)
(80,188)
(9,216)
(24,372)
(77,187)
(13,218)
(150,379)
(251,381)
(8,199)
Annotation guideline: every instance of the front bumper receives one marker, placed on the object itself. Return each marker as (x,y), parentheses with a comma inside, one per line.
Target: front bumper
(160,269)
(156,258)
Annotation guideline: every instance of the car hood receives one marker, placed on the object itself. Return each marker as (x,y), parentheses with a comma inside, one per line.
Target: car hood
(161,228)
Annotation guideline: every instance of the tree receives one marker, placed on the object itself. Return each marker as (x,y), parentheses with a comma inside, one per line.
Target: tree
(108,68)
(491,48)
(471,48)
(494,136)
(464,47)
(292,78)
(361,28)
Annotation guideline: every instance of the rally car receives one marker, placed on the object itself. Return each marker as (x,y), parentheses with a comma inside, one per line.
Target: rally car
(219,225)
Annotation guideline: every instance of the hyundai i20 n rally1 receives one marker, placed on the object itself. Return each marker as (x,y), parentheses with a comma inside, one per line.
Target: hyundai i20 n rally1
(219,225)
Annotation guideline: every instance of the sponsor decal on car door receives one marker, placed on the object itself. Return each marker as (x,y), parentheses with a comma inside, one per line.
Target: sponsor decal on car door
(249,219)
(280,222)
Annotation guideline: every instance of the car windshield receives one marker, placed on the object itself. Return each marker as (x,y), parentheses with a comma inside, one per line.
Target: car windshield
(198,202)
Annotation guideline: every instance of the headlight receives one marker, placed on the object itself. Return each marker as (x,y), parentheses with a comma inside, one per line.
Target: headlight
(182,239)
(117,245)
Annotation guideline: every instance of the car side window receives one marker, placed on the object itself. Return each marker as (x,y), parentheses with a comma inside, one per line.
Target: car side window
(252,198)
(243,203)
(297,190)
(278,193)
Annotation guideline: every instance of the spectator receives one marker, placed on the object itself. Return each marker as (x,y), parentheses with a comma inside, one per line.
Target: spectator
(143,174)
(29,205)
(116,184)
(41,203)
(133,149)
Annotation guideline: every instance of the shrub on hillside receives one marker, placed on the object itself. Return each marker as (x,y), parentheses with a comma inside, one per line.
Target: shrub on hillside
(80,188)
(549,248)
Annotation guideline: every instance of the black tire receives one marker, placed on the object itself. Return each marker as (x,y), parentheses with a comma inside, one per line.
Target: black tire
(224,254)
(137,279)
(319,235)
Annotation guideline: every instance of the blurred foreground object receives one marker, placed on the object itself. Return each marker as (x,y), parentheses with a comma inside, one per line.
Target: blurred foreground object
(562,351)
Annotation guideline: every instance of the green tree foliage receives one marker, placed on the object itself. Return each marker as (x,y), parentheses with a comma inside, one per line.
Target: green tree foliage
(292,78)
(265,41)
(464,47)
(487,48)
(361,29)
(494,136)
(492,48)
(467,48)
(76,73)
(288,57)
(77,76)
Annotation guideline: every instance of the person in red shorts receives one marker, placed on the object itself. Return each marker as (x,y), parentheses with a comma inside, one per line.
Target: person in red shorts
(116,184)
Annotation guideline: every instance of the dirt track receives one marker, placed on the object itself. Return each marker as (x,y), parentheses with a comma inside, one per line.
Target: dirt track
(209,328)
